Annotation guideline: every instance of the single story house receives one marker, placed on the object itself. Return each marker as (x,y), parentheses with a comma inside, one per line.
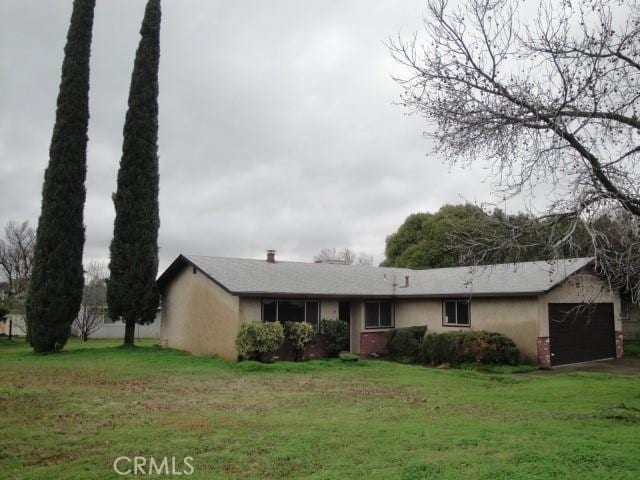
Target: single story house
(556,312)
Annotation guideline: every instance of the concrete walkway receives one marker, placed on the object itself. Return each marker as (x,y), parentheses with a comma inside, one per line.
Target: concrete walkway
(624,366)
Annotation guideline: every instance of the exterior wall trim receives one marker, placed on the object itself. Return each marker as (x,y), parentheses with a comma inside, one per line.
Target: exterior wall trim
(619,344)
(544,352)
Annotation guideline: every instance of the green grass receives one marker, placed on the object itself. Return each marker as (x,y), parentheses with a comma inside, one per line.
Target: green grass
(70,415)
(498,369)
(632,348)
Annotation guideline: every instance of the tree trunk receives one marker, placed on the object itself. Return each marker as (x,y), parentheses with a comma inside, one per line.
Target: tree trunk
(10,328)
(129,332)
(85,336)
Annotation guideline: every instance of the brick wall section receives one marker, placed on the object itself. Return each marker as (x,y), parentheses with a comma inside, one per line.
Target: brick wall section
(619,345)
(316,349)
(544,352)
(373,344)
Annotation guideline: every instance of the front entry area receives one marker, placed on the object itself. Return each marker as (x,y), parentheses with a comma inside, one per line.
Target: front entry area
(581,332)
(344,314)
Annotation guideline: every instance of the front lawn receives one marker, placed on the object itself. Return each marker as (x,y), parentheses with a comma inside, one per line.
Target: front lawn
(70,415)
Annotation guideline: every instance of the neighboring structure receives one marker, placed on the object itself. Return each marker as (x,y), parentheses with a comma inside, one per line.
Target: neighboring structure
(14,325)
(109,328)
(556,313)
(630,318)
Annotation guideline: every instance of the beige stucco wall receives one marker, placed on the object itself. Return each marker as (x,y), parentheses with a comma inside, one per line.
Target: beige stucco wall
(250,309)
(515,317)
(586,288)
(329,309)
(199,316)
(523,319)
(357,325)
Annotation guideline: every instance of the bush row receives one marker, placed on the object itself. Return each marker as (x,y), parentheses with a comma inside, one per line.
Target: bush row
(259,340)
(469,347)
(405,344)
(414,345)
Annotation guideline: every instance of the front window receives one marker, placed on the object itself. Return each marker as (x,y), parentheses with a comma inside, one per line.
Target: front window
(378,314)
(291,311)
(456,312)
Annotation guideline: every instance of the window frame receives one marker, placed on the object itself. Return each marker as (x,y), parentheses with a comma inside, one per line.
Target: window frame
(316,325)
(456,301)
(379,302)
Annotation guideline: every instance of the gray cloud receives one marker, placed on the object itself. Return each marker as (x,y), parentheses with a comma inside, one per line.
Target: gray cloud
(277,125)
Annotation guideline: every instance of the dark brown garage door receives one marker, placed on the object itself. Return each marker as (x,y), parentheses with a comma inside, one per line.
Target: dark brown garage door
(581,332)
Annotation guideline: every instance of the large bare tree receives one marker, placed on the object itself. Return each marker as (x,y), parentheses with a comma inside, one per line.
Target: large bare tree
(16,255)
(94,300)
(546,94)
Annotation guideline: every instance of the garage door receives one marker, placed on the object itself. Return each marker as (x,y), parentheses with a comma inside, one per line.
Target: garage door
(581,332)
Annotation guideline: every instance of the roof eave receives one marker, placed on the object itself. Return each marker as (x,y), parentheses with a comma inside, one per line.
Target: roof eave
(398,296)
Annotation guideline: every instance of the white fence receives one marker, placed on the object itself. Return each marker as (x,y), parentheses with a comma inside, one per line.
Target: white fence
(116,330)
(15,322)
(108,330)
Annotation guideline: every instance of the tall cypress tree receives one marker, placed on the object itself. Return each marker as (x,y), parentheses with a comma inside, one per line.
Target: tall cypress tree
(55,288)
(132,294)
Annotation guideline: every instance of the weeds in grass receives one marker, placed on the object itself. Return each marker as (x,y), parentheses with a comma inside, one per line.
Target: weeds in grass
(69,415)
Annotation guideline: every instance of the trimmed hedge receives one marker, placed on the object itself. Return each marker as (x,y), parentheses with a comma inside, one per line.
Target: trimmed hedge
(405,344)
(299,334)
(258,340)
(469,347)
(336,333)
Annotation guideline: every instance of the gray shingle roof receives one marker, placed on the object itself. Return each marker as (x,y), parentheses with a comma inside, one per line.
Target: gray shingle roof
(258,277)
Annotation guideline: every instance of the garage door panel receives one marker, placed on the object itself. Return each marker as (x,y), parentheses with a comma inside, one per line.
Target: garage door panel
(581,332)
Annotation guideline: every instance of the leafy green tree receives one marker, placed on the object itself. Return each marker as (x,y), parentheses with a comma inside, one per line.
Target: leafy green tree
(422,241)
(132,294)
(55,288)
(458,235)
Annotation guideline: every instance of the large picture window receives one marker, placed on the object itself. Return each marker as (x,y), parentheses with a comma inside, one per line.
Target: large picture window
(291,311)
(378,314)
(456,313)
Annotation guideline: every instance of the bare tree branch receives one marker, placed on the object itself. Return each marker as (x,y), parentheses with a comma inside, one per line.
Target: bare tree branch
(550,97)
(94,300)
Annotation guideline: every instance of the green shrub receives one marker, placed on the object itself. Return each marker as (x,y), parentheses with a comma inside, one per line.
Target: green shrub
(404,344)
(336,333)
(299,334)
(437,348)
(419,331)
(469,347)
(258,340)
(348,357)
(632,348)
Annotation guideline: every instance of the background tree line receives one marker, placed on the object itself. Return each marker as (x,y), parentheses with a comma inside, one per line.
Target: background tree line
(465,234)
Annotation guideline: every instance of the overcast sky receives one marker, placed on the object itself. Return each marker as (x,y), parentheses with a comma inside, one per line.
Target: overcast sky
(278,127)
